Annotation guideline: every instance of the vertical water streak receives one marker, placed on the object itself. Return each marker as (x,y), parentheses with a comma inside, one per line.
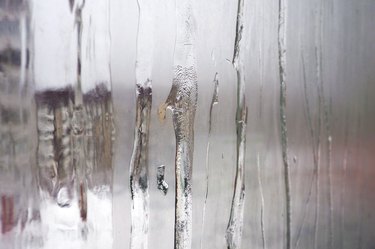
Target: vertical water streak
(314,135)
(261,76)
(234,229)
(330,191)
(283,125)
(345,175)
(319,79)
(329,163)
(54,73)
(95,97)
(214,101)
(95,85)
(98,142)
(182,101)
(362,159)
(323,112)
(78,129)
(139,160)
(139,171)
(261,63)
(262,203)
(78,120)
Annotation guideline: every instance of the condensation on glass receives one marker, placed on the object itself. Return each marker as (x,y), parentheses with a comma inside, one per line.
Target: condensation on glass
(187,124)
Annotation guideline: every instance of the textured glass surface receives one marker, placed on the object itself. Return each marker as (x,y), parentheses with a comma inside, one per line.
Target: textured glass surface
(187,124)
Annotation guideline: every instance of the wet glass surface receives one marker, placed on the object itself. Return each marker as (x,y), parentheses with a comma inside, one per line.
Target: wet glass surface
(187,124)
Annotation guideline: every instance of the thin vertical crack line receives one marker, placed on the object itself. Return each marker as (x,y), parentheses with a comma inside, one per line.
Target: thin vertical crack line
(214,101)
(331,228)
(327,126)
(361,183)
(344,173)
(261,71)
(366,162)
(113,133)
(235,225)
(261,203)
(314,147)
(284,136)
(330,193)
(261,65)
(139,183)
(319,80)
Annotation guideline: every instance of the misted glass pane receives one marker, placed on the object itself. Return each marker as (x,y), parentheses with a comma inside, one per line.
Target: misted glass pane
(187,124)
